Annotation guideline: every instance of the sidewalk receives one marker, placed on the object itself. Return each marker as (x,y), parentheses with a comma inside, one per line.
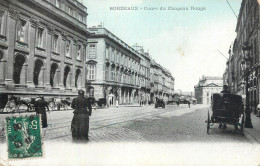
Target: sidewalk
(255,131)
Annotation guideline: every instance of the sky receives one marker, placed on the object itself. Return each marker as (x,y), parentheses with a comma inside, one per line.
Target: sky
(186,42)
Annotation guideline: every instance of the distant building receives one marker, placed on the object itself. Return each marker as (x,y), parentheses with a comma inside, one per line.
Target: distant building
(121,73)
(206,86)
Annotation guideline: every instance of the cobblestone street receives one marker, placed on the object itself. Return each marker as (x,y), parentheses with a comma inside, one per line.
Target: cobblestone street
(135,124)
(137,134)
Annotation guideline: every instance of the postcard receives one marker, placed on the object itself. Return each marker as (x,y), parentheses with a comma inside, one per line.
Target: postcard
(129,82)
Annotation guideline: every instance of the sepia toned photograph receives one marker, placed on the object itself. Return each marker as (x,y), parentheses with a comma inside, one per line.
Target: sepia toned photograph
(129,82)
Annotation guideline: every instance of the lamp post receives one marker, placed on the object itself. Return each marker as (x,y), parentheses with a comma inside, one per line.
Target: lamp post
(245,66)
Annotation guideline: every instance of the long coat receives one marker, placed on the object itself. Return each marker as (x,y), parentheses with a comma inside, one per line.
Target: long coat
(40,106)
(80,121)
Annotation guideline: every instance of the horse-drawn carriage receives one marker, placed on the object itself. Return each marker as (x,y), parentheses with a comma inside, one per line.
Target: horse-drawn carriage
(159,103)
(11,103)
(228,109)
(58,103)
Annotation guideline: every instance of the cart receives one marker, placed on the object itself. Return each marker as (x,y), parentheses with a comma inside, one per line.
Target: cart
(227,109)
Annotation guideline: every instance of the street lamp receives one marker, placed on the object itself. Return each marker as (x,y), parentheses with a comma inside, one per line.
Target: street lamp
(245,66)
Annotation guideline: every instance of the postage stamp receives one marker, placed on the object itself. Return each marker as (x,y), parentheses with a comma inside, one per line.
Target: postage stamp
(24,137)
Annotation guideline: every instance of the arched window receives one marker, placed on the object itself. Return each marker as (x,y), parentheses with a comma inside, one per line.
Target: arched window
(18,68)
(53,75)
(77,79)
(66,80)
(37,74)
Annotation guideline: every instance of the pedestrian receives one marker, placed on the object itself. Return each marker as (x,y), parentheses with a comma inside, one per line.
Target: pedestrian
(116,103)
(189,104)
(80,122)
(177,103)
(40,106)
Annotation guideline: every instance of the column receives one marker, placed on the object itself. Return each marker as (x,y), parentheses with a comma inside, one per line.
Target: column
(79,81)
(119,96)
(74,59)
(56,79)
(32,40)
(68,81)
(11,36)
(41,78)
(48,59)
(23,75)
(83,58)
(124,98)
(2,70)
(62,57)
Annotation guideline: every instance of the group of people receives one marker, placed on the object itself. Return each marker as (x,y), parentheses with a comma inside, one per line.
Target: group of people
(82,111)
(80,122)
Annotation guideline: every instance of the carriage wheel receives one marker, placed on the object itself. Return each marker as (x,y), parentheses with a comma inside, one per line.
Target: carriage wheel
(51,106)
(208,123)
(10,107)
(23,107)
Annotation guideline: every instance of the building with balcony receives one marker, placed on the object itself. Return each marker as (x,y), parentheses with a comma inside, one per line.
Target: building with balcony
(206,86)
(248,32)
(42,47)
(118,72)
(162,82)
(113,68)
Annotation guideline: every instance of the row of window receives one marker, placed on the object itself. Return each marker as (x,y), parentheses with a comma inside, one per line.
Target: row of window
(22,36)
(68,9)
(115,56)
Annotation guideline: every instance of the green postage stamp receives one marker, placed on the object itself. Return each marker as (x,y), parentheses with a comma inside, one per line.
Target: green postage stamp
(24,137)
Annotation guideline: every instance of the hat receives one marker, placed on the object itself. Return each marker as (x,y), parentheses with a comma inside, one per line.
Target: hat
(80,92)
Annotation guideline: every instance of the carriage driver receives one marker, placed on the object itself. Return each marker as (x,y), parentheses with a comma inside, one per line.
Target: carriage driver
(225,90)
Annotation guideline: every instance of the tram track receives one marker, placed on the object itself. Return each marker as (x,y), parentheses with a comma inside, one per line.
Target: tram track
(110,118)
(119,120)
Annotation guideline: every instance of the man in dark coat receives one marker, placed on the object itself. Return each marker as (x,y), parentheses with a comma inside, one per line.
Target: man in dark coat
(40,106)
(225,90)
(80,121)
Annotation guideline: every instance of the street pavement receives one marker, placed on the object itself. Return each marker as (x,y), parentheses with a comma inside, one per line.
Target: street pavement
(176,134)
(138,124)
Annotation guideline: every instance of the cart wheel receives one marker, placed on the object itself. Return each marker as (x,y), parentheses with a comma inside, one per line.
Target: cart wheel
(23,108)
(242,124)
(10,107)
(208,123)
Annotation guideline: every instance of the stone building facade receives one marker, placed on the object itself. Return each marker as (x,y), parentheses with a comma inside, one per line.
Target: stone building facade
(118,72)
(206,86)
(248,31)
(162,82)
(42,47)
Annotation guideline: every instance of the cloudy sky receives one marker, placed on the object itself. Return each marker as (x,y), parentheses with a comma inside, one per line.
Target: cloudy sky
(186,41)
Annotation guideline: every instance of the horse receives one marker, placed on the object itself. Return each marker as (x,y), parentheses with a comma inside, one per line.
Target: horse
(19,101)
